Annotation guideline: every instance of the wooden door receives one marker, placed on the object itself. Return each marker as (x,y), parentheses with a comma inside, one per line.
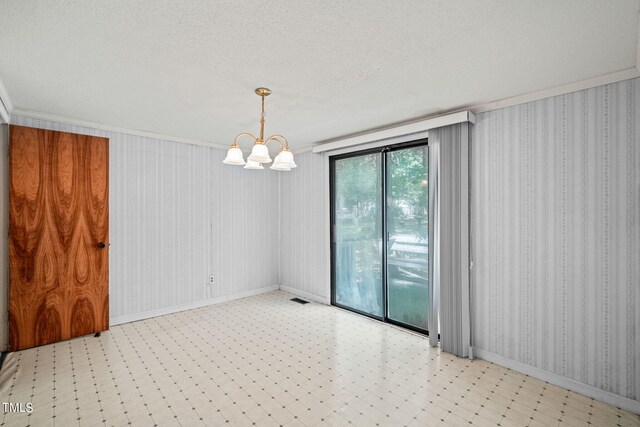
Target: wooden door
(58,236)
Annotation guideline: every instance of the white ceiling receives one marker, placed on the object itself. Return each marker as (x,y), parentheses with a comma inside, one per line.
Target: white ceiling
(188,68)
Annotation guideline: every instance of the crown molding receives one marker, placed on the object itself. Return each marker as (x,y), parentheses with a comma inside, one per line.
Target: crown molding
(301,150)
(19,112)
(4,113)
(601,80)
(7,110)
(5,104)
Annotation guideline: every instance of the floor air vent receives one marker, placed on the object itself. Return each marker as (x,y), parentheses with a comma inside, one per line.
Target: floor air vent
(299,301)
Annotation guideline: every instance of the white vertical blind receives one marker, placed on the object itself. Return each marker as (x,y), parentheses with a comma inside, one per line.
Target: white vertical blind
(434,247)
(449,246)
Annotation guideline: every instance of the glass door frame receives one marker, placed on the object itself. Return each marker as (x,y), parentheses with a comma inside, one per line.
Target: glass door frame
(383,198)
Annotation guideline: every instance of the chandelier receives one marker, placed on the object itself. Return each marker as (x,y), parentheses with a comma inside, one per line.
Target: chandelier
(259,153)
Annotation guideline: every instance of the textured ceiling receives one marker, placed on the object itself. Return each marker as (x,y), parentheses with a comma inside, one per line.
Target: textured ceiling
(188,68)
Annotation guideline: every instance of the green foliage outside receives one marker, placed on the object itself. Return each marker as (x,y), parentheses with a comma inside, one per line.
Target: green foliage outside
(359,230)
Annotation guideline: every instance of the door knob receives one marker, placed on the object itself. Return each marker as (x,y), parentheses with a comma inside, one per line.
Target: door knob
(101,245)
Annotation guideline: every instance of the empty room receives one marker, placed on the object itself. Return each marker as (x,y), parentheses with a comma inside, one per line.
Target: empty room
(338,213)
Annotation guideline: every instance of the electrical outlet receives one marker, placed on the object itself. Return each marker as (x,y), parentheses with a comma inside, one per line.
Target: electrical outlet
(212,280)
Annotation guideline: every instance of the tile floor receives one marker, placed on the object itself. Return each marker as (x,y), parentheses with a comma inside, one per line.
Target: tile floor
(267,361)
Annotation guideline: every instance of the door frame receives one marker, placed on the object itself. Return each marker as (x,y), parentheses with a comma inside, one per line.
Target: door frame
(383,198)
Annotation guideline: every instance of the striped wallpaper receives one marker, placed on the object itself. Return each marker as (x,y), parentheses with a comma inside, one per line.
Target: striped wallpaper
(177,214)
(304,240)
(555,211)
(555,231)
(555,214)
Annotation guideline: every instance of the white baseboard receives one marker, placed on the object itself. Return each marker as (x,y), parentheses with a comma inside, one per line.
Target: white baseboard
(252,292)
(573,385)
(306,295)
(127,318)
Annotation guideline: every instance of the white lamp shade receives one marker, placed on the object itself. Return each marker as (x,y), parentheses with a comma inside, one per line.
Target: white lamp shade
(260,154)
(234,157)
(286,159)
(253,165)
(278,165)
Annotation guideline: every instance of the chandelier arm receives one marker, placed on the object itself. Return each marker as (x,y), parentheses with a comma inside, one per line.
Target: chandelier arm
(235,141)
(277,137)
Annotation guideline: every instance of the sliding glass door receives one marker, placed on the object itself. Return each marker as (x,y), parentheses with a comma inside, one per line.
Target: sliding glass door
(379,217)
(357,214)
(407,236)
